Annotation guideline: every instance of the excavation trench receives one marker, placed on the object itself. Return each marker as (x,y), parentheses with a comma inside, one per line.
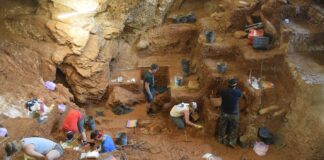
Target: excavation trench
(104,68)
(273,70)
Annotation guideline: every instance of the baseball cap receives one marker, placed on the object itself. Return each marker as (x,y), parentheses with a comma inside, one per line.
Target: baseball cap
(194,105)
(232,82)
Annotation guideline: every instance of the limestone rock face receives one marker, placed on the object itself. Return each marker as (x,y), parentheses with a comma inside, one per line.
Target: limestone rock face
(59,54)
(72,20)
(69,35)
(94,31)
(173,38)
(29,27)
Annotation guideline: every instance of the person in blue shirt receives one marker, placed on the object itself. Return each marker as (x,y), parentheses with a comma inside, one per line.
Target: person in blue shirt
(36,147)
(229,116)
(107,143)
(148,89)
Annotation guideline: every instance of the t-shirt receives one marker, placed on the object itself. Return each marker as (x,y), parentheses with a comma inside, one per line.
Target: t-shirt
(178,110)
(230,100)
(108,144)
(71,120)
(149,78)
(41,145)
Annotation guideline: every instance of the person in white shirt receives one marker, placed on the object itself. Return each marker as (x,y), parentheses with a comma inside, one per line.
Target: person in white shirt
(36,147)
(180,114)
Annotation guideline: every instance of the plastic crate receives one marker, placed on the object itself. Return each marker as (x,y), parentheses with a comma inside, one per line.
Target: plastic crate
(261,42)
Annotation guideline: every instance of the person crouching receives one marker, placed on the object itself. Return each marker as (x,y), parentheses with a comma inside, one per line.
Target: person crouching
(180,114)
(74,122)
(36,147)
(107,143)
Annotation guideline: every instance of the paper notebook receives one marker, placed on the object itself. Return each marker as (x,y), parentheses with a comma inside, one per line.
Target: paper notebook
(131,124)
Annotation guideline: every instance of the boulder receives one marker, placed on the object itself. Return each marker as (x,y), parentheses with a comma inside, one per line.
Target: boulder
(142,44)
(240,34)
(120,95)
(87,88)
(59,54)
(68,34)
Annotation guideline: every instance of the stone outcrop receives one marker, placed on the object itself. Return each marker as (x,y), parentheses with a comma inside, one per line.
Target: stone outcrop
(120,95)
(173,38)
(94,31)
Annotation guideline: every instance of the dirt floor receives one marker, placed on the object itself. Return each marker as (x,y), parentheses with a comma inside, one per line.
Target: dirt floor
(26,60)
(159,138)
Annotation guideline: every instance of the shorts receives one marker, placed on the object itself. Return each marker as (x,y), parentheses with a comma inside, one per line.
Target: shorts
(81,125)
(59,148)
(148,98)
(179,122)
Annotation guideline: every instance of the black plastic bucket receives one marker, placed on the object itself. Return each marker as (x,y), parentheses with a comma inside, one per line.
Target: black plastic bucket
(185,64)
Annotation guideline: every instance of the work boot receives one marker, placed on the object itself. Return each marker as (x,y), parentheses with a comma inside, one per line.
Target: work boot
(231,144)
(150,112)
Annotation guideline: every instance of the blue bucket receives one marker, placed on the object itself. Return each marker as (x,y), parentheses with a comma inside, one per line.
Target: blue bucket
(210,37)
(222,67)
(121,138)
(178,80)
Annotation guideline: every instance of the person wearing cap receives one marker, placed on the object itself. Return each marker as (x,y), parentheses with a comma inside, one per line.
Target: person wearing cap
(74,122)
(180,114)
(229,116)
(149,87)
(107,143)
(36,147)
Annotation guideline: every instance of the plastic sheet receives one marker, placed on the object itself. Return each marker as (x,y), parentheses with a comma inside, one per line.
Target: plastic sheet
(50,85)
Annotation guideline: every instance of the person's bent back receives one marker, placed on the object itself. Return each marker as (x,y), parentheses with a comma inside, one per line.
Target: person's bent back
(107,143)
(74,122)
(36,147)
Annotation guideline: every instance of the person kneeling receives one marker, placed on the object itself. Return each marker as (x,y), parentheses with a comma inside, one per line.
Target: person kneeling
(36,147)
(107,143)
(180,114)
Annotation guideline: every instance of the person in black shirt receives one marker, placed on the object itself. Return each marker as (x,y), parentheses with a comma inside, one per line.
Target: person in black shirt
(149,87)
(229,114)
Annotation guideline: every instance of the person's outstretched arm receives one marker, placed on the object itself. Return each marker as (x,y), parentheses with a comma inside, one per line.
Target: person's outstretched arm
(30,150)
(187,120)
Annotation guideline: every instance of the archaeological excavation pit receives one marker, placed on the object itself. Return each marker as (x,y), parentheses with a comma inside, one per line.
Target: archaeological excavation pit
(91,55)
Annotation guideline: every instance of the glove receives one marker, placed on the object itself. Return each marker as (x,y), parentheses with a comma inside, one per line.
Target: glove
(198,126)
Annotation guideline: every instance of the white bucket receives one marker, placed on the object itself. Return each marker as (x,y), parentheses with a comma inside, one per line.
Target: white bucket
(260,148)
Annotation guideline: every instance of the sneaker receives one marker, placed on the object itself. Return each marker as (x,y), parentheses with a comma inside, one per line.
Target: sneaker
(232,145)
